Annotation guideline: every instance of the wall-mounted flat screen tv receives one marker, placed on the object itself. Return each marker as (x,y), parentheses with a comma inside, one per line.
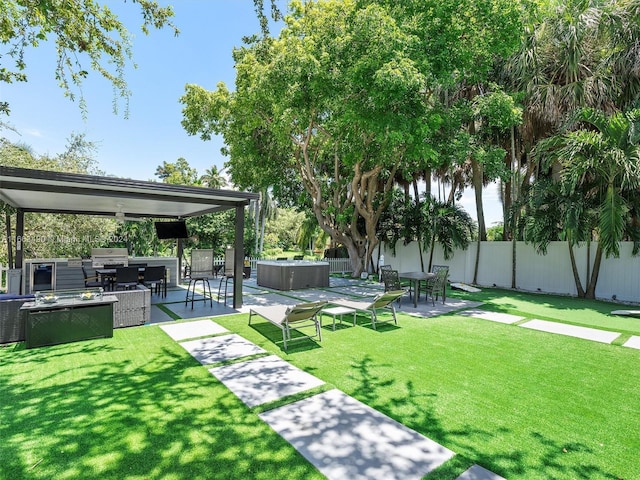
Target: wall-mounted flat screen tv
(167,230)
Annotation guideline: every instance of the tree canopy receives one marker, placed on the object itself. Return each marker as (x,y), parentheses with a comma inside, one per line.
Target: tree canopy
(87,36)
(336,106)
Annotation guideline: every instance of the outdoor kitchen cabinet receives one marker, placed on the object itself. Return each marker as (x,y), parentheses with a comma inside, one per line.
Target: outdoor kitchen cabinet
(68,319)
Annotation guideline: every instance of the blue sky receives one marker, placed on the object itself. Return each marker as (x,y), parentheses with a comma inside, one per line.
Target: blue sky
(134,147)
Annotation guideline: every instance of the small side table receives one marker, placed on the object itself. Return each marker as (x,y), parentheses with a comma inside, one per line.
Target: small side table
(339,311)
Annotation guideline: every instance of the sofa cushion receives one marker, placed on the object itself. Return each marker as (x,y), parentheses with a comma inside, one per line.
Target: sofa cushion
(13,296)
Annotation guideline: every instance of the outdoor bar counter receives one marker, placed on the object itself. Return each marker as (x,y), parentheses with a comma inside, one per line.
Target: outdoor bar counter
(292,275)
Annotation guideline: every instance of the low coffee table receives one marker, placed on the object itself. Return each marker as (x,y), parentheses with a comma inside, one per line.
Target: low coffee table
(338,311)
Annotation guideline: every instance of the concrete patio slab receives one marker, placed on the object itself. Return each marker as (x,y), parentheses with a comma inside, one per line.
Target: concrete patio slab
(476,472)
(312,295)
(266,300)
(159,316)
(633,342)
(220,349)
(586,333)
(344,438)
(492,316)
(198,328)
(264,379)
(426,309)
(200,309)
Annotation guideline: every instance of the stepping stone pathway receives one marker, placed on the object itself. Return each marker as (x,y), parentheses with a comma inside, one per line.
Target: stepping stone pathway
(264,379)
(586,333)
(341,436)
(345,438)
(184,330)
(633,342)
(476,472)
(221,349)
(493,316)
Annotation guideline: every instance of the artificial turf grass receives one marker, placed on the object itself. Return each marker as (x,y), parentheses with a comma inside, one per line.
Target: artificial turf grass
(137,406)
(555,308)
(522,403)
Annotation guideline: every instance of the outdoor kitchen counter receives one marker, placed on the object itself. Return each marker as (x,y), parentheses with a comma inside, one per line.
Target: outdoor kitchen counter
(292,275)
(68,320)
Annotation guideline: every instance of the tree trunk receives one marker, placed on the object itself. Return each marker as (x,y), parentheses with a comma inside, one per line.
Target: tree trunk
(433,244)
(593,281)
(417,195)
(574,269)
(513,262)
(482,232)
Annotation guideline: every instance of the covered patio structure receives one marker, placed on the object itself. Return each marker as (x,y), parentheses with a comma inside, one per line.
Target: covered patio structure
(45,191)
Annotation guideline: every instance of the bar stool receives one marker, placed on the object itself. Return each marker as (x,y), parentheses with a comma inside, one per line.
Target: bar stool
(191,291)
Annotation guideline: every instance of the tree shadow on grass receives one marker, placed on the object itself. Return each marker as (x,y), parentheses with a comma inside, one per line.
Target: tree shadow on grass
(132,408)
(497,450)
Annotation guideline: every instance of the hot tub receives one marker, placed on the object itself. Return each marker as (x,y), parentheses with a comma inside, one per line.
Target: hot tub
(293,275)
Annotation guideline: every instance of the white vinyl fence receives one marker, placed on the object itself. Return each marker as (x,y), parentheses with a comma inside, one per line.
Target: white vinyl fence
(619,278)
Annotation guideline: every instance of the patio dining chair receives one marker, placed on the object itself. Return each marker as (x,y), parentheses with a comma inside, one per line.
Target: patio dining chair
(154,278)
(93,281)
(288,317)
(427,286)
(391,280)
(382,301)
(126,278)
(436,287)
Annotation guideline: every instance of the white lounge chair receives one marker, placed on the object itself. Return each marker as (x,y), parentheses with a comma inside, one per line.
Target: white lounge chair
(384,300)
(287,317)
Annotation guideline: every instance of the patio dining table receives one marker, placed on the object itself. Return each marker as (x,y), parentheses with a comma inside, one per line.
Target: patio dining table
(107,274)
(416,278)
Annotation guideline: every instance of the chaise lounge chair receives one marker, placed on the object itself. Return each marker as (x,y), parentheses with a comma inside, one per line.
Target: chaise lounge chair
(287,317)
(384,300)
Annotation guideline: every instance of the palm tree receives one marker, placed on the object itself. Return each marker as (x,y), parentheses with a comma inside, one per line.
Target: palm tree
(267,211)
(213,179)
(449,225)
(600,162)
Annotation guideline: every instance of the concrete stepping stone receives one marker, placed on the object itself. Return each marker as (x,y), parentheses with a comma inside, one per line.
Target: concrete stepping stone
(427,309)
(344,438)
(633,342)
(264,379)
(586,333)
(220,349)
(199,328)
(492,316)
(476,472)
(628,313)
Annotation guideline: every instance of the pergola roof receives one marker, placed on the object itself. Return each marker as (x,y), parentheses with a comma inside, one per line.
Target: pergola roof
(56,192)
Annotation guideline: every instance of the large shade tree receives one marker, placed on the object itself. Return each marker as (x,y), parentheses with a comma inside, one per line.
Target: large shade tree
(335,103)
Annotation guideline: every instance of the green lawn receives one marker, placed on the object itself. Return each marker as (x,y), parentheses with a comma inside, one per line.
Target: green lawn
(522,403)
(133,407)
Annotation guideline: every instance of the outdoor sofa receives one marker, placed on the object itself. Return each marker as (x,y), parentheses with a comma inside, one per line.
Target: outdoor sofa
(11,318)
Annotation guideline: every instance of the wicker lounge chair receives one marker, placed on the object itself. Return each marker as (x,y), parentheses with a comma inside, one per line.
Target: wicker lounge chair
(287,317)
(384,300)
